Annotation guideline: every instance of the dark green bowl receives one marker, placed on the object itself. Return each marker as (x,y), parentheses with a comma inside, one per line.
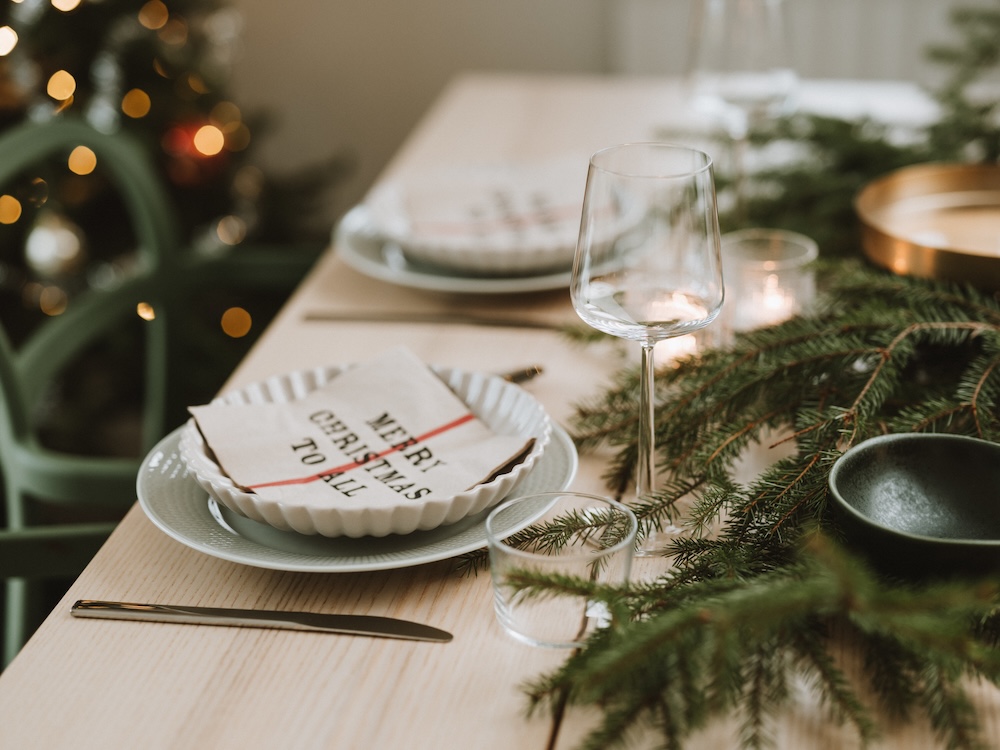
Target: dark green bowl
(921,504)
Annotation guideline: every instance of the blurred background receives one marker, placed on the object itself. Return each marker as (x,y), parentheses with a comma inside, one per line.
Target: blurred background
(267,121)
(358,75)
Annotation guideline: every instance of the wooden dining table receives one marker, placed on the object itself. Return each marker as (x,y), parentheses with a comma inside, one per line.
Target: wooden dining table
(82,683)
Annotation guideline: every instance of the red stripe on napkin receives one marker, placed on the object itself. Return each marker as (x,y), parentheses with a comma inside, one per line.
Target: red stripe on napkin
(354,464)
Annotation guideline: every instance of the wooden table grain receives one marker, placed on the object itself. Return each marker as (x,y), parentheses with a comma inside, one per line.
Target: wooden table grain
(110,684)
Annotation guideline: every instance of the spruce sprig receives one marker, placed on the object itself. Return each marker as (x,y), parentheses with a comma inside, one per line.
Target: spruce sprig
(720,649)
(762,586)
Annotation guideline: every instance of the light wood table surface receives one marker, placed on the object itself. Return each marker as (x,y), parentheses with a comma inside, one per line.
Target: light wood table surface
(106,684)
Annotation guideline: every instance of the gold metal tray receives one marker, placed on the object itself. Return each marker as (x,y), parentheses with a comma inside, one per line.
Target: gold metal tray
(936,221)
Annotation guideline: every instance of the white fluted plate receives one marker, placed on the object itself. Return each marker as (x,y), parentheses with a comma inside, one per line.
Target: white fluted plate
(504,407)
(178,506)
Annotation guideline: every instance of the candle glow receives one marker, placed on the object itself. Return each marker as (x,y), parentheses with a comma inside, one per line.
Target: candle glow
(768,277)
(673,349)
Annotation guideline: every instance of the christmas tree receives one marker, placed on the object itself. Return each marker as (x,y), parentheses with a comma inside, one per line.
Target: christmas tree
(157,71)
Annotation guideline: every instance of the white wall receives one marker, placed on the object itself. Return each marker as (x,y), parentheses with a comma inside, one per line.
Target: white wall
(358,74)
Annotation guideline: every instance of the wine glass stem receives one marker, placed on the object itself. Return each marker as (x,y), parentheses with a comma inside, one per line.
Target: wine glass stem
(645,470)
(740,144)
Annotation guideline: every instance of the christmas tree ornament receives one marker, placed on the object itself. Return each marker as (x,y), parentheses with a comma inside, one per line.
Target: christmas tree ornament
(55,246)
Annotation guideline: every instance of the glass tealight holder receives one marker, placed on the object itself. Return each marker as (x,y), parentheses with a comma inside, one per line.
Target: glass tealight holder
(768,275)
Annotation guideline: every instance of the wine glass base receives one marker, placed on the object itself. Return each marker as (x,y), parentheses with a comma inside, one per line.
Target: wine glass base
(657,543)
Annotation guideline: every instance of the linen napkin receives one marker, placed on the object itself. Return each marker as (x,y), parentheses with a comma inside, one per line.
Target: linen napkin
(512,205)
(380,433)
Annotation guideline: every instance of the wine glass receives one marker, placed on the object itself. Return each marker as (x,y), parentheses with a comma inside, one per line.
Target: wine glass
(740,70)
(648,262)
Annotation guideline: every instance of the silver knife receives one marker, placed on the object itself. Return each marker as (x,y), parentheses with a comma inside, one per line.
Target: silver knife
(384,627)
(466,319)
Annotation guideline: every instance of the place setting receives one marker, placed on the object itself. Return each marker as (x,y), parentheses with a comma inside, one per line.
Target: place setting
(375,465)
(491,229)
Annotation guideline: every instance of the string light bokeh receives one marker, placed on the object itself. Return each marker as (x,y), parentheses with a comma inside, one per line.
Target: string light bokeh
(159,70)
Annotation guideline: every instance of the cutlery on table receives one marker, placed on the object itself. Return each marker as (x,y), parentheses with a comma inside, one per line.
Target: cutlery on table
(523,374)
(333,316)
(372,625)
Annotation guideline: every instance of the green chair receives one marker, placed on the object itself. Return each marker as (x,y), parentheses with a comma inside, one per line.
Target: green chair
(32,473)
(167,277)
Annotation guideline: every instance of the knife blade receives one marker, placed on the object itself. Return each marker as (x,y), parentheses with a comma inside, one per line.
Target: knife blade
(372,625)
(448,318)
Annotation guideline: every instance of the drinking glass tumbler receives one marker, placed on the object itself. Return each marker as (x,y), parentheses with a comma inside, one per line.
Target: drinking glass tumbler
(571,534)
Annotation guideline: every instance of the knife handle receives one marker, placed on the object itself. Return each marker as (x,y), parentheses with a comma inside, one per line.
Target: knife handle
(193,615)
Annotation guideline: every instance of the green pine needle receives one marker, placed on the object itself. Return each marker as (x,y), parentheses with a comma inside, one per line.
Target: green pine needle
(763,590)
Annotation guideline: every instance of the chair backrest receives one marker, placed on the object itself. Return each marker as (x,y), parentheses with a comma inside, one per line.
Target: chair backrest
(165,277)
(31,471)
(26,372)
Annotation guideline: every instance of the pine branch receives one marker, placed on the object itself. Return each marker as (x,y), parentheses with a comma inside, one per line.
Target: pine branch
(760,590)
(767,687)
(809,647)
(742,587)
(949,709)
(702,656)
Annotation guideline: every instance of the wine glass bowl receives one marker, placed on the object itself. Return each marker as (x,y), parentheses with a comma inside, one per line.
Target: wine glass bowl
(740,74)
(741,68)
(648,261)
